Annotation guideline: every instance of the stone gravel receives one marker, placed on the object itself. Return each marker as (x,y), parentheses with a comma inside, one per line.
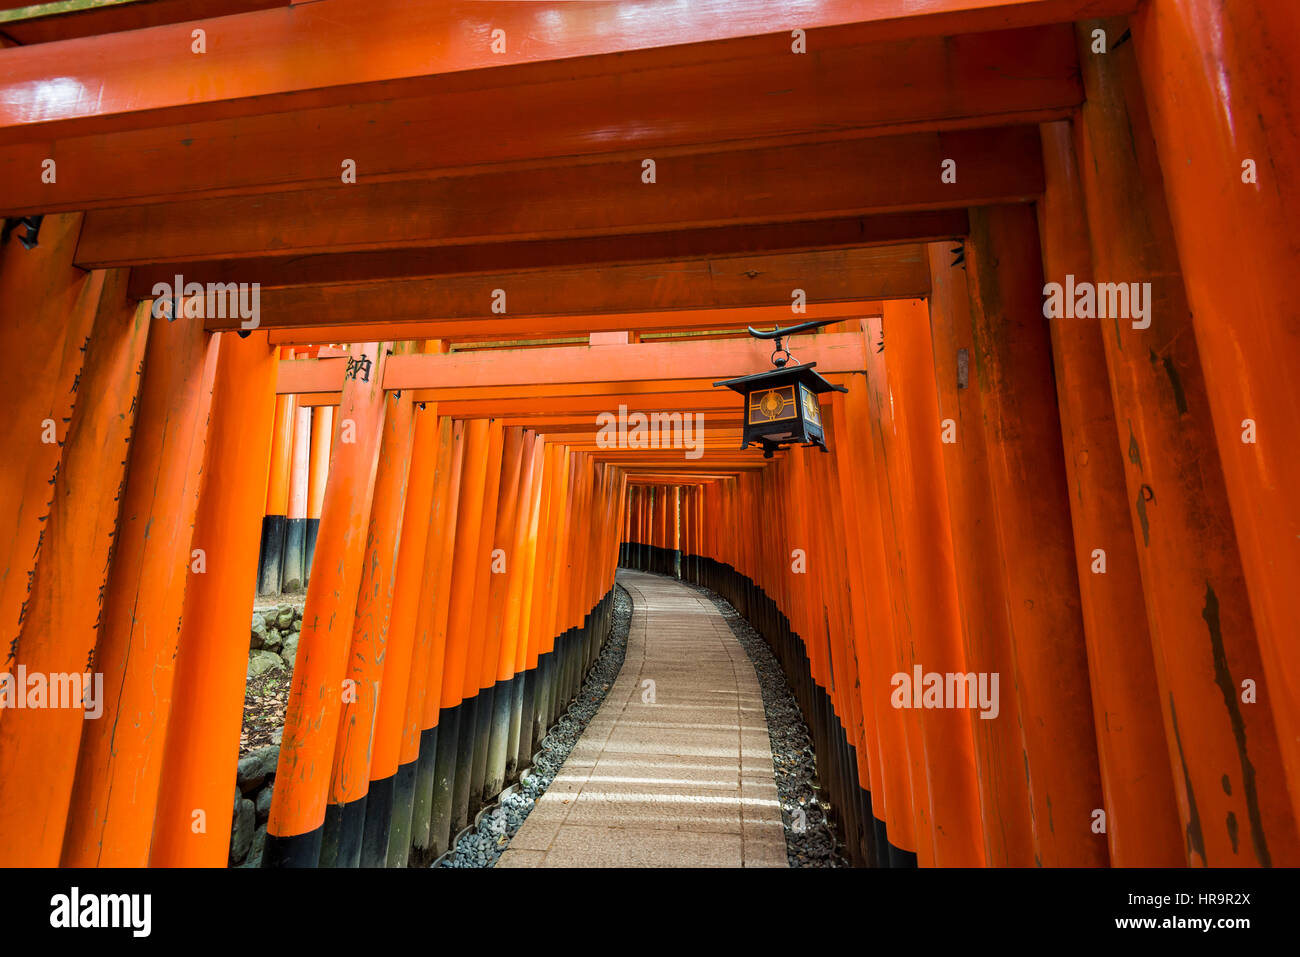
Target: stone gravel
(482,846)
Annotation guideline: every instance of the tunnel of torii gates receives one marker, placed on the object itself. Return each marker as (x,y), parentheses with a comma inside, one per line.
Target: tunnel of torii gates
(1098,508)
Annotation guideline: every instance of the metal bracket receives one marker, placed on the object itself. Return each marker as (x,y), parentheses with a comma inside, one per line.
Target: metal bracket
(29,238)
(780,333)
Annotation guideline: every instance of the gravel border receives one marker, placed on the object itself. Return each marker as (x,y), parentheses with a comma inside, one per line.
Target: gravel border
(495,826)
(814,842)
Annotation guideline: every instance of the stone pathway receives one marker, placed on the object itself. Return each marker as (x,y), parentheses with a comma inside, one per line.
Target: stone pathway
(675,770)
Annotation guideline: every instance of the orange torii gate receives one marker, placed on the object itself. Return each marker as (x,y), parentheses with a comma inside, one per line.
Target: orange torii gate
(1095,512)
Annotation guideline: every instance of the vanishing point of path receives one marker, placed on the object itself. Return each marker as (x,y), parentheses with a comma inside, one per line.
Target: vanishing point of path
(675,770)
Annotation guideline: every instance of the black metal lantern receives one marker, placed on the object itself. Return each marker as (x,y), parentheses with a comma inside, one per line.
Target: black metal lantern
(781,406)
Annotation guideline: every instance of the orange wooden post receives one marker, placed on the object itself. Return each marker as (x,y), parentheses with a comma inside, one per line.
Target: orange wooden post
(557,573)
(110,817)
(390,807)
(427,721)
(294,829)
(501,558)
(391,783)
(525,664)
(345,813)
(60,626)
(533,725)
(930,580)
(844,438)
(192,824)
(322,433)
(986,626)
(1220,82)
(1013,364)
(49,309)
(508,690)
(453,760)
(469,775)
(908,824)
(1232,794)
(293,573)
(1141,820)
(274,526)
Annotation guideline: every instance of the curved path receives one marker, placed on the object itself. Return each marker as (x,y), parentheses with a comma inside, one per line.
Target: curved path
(675,770)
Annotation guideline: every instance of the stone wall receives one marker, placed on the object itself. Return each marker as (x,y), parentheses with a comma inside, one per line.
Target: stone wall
(273,646)
(274,638)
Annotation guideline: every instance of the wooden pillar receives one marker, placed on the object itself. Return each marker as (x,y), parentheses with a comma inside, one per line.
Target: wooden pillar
(294,829)
(930,580)
(502,561)
(977,553)
(276,522)
(428,724)
(350,772)
(110,817)
(1141,820)
(525,652)
(1013,366)
(202,748)
(1220,83)
(1231,789)
(322,433)
(61,615)
(466,798)
(909,831)
(453,754)
(294,570)
(508,682)
(390,798)
(49,308)
(845,435)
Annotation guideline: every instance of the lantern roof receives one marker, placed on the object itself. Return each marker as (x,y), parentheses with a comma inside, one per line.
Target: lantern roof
(802,375)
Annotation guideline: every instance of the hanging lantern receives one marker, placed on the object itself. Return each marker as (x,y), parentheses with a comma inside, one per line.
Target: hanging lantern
(781,406)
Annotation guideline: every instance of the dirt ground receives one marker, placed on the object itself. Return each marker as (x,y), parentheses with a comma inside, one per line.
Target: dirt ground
(266,696)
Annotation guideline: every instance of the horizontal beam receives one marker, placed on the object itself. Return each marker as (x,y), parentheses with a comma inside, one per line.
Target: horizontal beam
(886,229)
(98,20)
(335,52)
(780,184)
(731,416)
(912,85)
(516,410)
(833,352)
(612,369)
(508,327)
(840,275)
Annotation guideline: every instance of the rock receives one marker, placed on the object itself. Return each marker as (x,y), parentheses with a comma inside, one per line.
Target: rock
(264,803)
(297,625)
(284,617)
(241,832)
(269,616)
(289,651)
(259,845)
(260,662)
(256,767)
(277,736)
(273,640)
(258,632)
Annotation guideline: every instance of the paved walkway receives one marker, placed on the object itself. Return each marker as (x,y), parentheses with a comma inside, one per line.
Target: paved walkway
(675,770)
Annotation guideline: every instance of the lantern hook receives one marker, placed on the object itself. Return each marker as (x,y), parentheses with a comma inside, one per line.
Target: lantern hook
(779,334)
